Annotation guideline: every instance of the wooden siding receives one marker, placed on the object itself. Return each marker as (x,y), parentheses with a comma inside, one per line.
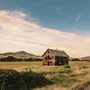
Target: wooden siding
(49,58)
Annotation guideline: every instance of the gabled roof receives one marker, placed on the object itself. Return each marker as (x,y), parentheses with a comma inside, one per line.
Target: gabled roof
(59,53)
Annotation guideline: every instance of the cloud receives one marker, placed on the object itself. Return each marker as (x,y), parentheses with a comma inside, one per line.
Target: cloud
(17,33)
(78,17)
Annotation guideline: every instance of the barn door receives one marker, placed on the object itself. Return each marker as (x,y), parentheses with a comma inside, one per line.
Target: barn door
(48,63)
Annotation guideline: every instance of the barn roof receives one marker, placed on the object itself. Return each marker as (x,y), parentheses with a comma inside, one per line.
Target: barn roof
(59,53)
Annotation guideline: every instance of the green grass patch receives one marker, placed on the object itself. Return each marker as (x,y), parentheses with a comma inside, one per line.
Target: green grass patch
(65,81)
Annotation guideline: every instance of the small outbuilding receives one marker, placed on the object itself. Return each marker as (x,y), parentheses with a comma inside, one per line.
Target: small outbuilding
(55,57)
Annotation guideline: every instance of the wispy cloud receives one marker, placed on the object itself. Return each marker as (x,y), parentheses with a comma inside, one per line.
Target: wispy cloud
(78,17)
(16,33)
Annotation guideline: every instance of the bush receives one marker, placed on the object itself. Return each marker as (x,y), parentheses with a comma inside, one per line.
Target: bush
(67,66)
(10,80)
(13,80)
(84,66)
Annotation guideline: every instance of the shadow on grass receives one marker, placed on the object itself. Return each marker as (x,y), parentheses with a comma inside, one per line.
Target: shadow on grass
(33,80)
(13,80)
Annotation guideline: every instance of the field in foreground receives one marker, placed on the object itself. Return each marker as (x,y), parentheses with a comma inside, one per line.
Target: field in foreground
(62,77)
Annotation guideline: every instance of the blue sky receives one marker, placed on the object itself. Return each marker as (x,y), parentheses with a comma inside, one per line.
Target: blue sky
(67,15)
(35,25)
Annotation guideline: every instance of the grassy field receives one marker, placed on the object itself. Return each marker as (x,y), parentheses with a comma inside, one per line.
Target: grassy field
(63,77)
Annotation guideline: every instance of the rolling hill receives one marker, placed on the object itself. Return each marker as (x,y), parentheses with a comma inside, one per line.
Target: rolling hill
(19,54)
(85,58)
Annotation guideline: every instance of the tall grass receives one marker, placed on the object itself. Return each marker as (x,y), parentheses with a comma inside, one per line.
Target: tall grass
(61,77)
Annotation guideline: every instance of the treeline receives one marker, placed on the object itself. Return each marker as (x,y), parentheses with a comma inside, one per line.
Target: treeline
(11,58)
(77,59)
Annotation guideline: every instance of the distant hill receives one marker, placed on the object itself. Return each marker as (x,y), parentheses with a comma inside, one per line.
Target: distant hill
(20,54)
(85,58)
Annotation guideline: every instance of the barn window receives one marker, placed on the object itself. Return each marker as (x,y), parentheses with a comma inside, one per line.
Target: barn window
(45,57)
(50,62)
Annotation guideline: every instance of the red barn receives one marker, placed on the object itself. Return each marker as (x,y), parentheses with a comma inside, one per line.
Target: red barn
(55,57)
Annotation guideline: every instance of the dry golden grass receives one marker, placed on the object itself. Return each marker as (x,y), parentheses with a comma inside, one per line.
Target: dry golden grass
(51,87)
(63,78)
(34,66)
(76,66)
(19,66)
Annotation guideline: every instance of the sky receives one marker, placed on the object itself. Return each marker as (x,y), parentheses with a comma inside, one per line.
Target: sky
(35,25)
